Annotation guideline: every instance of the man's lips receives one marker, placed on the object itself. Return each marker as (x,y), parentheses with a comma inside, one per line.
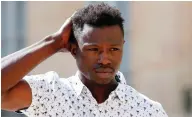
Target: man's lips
(104,70)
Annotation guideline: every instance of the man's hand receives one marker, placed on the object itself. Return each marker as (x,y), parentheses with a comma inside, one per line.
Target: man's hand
(63,35)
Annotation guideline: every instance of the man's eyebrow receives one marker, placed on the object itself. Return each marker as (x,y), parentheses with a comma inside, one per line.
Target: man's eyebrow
(90,44)
(115,44)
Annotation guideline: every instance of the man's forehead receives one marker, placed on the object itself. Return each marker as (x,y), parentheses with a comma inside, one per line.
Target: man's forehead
(91,34)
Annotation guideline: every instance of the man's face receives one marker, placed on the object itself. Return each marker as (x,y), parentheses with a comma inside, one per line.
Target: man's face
(100,52)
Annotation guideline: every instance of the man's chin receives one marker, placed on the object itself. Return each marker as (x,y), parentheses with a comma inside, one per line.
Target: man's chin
(104,75)
(102,78)
(103,81)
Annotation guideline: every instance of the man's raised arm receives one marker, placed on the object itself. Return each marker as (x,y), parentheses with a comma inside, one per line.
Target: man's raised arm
(15,92)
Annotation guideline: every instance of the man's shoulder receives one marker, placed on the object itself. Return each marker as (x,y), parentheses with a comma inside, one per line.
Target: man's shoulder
(143,102)
(137,95)
(48,78)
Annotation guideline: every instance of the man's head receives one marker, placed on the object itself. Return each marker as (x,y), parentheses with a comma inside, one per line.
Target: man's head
(98,34)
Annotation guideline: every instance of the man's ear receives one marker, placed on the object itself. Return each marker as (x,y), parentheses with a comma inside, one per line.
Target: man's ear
(73,49)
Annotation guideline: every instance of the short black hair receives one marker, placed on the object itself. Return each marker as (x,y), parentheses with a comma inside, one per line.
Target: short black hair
(96,15)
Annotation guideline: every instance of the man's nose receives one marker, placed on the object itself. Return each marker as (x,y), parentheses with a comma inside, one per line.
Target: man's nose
(104,58)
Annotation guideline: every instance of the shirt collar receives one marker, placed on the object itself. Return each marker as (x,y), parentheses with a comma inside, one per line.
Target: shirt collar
(78,86)
(121,91)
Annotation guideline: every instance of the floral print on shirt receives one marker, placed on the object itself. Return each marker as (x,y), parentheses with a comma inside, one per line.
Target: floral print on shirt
(59,97)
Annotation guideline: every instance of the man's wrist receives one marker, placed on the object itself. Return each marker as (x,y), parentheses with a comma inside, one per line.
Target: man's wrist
(53,42)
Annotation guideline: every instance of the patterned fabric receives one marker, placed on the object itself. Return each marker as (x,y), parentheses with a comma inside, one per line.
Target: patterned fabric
(60,97)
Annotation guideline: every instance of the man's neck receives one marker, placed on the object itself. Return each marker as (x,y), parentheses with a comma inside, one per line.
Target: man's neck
(99,91)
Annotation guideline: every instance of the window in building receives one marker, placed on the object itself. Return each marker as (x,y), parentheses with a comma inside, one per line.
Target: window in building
(12,26)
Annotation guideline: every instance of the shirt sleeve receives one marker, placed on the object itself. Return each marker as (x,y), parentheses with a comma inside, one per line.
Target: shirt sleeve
(42,86)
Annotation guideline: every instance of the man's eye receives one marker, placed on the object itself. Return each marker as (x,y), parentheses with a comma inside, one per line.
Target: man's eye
(93,49)
(114,49)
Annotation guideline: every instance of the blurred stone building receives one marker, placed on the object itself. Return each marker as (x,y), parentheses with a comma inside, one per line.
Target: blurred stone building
(157,57)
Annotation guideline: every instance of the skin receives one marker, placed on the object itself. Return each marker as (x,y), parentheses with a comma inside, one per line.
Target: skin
(16,93)
(98,58)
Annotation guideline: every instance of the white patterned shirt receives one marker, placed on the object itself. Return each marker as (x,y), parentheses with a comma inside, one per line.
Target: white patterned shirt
(53,96)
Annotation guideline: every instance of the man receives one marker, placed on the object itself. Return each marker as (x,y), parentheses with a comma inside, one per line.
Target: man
(94,36)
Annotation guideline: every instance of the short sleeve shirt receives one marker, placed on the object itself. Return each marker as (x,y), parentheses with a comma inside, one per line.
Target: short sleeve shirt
(53,96)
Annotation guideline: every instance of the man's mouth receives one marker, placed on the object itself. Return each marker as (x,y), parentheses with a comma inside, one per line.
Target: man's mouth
(104,72)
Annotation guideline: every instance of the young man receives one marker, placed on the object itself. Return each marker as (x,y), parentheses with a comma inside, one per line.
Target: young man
(95,36)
